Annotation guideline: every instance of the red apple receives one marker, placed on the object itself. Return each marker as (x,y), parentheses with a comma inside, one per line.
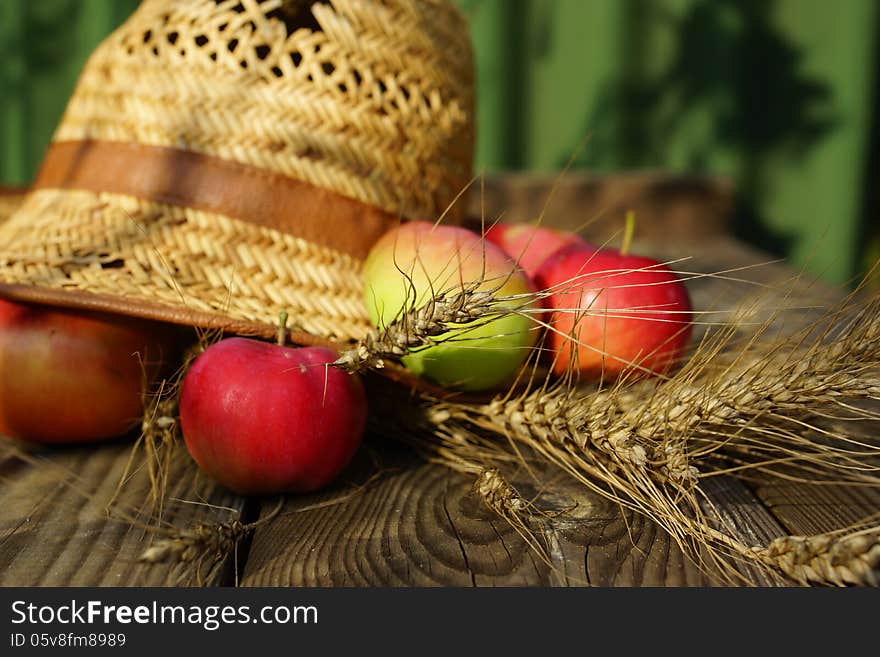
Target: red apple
(614,313)
(417,260)
(262,418)
(531,245)
(73,376)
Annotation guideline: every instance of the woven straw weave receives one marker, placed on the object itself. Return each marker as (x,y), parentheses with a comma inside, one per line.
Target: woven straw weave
(370,99)
(375,106)
(120,245)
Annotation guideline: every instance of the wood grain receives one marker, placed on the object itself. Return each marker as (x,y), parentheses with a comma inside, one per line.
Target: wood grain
(734,506)
(601,545)
(419,524)
(414,524)
(814,508)
(805,509)
(55,529)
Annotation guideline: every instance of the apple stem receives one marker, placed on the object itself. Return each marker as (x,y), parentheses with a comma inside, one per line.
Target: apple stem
(282,328)
(628,230)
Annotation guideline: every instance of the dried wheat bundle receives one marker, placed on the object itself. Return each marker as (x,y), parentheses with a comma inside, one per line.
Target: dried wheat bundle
(735,407)
(770,405)
(688,515)
(159,437)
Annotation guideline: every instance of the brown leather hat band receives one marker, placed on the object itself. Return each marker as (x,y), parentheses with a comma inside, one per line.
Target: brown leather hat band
(5,190)
(211,184)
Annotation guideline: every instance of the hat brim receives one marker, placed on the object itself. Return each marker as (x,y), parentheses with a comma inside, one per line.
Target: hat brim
(177,264)
(114,254)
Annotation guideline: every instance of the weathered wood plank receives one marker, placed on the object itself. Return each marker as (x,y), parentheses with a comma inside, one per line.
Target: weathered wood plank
(691,208)
(55,529)
(812,507)
(598,544)
(805,509)
(419,524)
(415,524)
(735,506)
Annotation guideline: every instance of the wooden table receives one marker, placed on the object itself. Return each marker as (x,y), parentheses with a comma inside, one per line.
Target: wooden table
(393,519)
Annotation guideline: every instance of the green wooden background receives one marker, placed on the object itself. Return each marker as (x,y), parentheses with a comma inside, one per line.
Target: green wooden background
(779,95)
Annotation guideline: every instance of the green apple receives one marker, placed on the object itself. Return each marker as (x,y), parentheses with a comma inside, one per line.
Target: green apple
(417,260)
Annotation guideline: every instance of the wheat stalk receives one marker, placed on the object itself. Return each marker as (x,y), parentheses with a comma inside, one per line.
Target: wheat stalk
(594,425)
(767,404)
(187,545)
(850,559)
(423,326)
(160,433)
(204,543)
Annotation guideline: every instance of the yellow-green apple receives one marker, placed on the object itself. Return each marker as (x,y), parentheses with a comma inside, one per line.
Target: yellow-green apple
(531,245)
(614,313)
(74,376)
(413,262)
(261,418)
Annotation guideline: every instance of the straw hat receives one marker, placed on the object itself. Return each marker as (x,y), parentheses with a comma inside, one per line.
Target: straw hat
(222,161)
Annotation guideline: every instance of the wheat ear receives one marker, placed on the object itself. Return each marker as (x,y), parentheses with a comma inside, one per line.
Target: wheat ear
(462,308)
(832,558)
